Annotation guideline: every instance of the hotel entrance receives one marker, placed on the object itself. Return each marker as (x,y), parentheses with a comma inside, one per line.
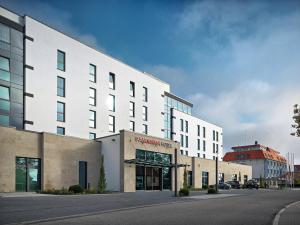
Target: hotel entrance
(153,171)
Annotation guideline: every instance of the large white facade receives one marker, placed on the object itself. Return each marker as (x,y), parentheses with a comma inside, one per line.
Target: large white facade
(42,44)
(197,137)
(41,54)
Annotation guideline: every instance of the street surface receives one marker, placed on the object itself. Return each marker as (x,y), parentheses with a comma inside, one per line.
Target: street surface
(240,207)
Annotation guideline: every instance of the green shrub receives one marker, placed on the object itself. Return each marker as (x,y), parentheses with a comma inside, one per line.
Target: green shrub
(184,192)
(204,186)
(211,191)
(75,189)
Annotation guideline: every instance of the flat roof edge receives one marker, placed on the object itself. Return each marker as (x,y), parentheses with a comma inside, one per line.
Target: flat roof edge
(98,50)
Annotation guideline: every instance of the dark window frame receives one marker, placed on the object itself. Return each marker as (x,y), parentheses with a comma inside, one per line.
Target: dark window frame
(93,98)
(62,128)
(92,120)
(61,113)
(113,124)
(64,60)
(132,89)
(59,88)
(113,81)
(94,80)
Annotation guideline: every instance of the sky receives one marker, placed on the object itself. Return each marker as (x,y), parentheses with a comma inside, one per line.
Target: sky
(238,62)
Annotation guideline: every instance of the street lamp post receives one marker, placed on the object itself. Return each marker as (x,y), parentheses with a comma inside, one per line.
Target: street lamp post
(217,175)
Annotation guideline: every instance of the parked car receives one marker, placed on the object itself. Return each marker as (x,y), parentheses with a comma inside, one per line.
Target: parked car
(234,184)
(224,186)
(251,184)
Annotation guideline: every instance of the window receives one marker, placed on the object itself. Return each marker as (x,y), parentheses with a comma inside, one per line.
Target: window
(93,96)
(204,156)
(214,158)
(217,135)
(203,132)
(186,152)
(92,73)
(60,112)
(60,130)
(112,81)
(198,144)
(186,126)
(145,94)
(204,145)
(145,113)
(111,103)
(214,135)
(4,33)
(181,124)
(111,124)
(214,148)
(198,154)
(131,125)
(181,140)
(92,122)
(131,109)
(217,148)
(186,141)
(198,130)
(181,152)
(4,69)
(92,136)
(61,86)
(205,178)
(61,60)
(4,120)
(145,128)
(132,89)
(4,98)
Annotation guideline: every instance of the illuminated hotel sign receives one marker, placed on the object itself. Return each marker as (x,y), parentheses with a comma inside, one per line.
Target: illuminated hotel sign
(153,142)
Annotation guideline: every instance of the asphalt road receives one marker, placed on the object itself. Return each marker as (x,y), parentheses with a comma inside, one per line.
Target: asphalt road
(240,207)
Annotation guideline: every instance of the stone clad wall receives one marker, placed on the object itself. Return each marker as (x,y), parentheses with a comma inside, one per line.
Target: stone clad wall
(60,156)
(61,160)
(15,143)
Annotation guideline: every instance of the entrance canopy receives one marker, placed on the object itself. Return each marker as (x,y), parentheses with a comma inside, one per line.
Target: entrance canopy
(153,163)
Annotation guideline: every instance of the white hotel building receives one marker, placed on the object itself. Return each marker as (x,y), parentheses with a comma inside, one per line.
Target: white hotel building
(69,88)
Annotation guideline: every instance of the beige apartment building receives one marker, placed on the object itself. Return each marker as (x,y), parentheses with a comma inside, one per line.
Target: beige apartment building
(32,161)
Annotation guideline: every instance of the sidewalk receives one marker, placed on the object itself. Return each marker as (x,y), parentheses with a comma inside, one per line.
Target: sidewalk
(291,215)
(21,194)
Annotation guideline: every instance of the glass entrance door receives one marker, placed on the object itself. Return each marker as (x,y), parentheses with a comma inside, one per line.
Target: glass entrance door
(28,174)
(149,178)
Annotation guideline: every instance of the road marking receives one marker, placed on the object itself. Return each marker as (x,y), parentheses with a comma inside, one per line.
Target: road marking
(210,196)
(277,217)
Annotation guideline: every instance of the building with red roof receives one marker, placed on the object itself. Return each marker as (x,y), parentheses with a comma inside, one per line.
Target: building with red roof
(265,161)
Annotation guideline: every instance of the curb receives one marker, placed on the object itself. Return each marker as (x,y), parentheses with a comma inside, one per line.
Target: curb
(277,217)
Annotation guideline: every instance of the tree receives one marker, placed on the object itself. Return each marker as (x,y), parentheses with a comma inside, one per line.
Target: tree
(102,179)
(185,185)
(296,118)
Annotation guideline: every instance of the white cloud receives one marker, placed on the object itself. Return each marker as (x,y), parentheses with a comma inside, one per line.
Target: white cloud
(252,110)
(250,70)
(54,17)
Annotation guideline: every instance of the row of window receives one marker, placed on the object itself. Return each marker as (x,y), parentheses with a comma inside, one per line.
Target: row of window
(4,105)
(215,135)
(187,153)
(184,127)
(61,65)
(4,69)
